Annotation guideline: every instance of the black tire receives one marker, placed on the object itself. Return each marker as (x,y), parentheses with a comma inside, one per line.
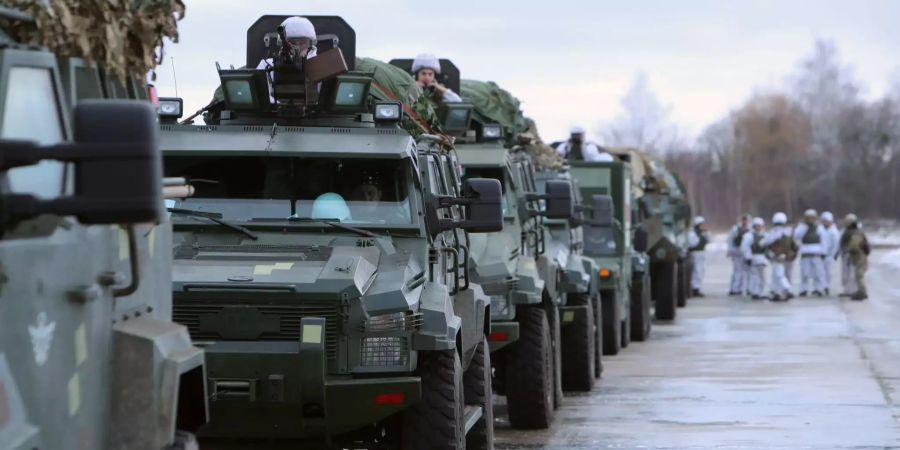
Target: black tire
(478,392)
(529,372)
(683,289)
(556,335)
(598,333)
(612,323)
(436,421)
(579,351)
(640,308)
(184,441)
(663,285)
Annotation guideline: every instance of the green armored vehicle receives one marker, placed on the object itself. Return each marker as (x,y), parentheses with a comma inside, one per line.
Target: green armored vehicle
(663,213)
(321,262)
(624,279)
(88,355)
(527,283)
(579,280)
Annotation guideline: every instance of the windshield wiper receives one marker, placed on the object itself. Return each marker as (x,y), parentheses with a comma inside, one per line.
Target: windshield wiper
(336,223)
(215,217)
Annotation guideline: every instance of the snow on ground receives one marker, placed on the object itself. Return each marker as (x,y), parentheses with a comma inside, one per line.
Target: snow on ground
(718,243)
(890,258)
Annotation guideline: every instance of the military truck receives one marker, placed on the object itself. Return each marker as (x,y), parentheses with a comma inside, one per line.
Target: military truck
(88,355)
(616,246)
(514,270)
(321,263)
(581,341)
(664,214)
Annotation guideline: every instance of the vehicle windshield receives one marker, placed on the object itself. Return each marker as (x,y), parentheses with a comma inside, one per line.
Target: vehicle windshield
(259,188)
(599,241)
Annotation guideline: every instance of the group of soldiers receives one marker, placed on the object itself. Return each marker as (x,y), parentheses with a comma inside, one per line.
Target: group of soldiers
(817,242)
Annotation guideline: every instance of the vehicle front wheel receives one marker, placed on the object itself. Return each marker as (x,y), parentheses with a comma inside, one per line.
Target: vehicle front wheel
(612,323)
(529,372)
(437,420)
(579,342)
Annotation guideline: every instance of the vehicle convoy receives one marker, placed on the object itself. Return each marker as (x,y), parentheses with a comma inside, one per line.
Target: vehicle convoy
(88,355)
(540,290)
(624,283)
(322,261)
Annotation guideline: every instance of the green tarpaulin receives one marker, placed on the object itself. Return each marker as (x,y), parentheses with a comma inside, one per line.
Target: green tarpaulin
(493,104)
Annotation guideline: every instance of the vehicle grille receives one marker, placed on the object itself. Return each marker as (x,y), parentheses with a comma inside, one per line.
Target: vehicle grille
(288,320)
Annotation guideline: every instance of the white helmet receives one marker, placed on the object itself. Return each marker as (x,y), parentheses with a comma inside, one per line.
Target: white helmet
(827,216)
(779,218)
(299,27)
(426,61)
(699,220)
(811,213)
(576,130)
(330,206)
(759,221)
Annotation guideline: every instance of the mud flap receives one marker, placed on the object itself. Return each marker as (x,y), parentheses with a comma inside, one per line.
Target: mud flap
(502,334)
(568,314)
(16,433)
(312,375)
(149,358)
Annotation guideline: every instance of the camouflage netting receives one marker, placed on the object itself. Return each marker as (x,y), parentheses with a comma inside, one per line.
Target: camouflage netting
(121,35)
(395,84)
(494,104)
(544,156)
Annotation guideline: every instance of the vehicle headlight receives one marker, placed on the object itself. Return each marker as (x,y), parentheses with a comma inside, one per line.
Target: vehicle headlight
(499,305)
(384,351)
(386,323)
(387,112)
(491,132)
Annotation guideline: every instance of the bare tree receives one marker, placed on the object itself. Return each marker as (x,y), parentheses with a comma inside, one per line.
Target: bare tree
(644,122)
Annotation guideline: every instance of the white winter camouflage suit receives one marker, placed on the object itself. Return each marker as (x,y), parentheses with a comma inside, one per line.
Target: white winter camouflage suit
(756,280)
(812,258)
(739,271)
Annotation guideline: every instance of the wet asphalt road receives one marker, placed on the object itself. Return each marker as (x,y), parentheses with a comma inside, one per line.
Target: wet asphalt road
(732,373)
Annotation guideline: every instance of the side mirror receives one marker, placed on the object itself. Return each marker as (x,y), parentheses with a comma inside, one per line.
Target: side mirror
(639,242)
(484,212)
(118,167)
(483,209)
(602,211)
(558,200)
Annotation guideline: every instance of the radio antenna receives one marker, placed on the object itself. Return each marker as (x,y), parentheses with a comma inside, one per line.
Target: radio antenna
(174,76)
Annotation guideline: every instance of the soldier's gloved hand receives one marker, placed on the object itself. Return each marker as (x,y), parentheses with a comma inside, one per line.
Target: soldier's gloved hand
(748,262)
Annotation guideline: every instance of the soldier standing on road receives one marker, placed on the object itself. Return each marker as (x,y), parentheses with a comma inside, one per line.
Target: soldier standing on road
(754,254)
(578,149)
(832,248)
(697,240)
(425,69)
(739,270)
(855,252)
(780,249)
(811,239)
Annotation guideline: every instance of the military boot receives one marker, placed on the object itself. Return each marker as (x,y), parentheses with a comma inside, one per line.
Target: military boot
(802,293)
(859,296)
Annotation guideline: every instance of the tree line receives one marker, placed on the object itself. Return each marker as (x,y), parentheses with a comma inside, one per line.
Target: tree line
(816,143)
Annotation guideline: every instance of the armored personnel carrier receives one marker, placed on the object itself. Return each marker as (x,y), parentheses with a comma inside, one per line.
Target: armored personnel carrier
(88,355)
(321,262)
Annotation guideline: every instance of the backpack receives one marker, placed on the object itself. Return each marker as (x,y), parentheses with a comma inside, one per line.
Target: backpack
(812,235)
(784,248)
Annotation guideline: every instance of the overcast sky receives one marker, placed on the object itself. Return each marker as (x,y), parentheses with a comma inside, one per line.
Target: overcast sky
(569,62)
